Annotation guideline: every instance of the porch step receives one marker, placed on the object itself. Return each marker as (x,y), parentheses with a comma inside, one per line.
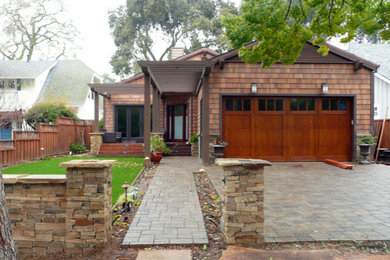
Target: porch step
(124,149)
(179,149)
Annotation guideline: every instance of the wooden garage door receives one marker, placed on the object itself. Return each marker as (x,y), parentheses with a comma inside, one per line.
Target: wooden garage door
(288,129)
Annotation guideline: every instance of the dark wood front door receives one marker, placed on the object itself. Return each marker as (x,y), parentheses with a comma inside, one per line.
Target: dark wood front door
(288,129)
(177,123)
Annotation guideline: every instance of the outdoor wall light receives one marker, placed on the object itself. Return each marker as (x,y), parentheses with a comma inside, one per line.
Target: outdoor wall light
(254,88)
(324,88)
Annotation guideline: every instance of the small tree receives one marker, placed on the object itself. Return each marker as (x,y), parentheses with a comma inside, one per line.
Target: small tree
(7,245)
(47,112)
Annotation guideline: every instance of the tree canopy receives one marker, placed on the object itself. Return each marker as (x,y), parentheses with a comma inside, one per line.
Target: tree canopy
(142,25)
(32,26)
(281,27)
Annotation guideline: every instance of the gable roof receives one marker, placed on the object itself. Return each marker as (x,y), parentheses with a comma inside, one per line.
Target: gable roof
(345,55)
(184,57)
(378,53)
(17,69)
(68,80)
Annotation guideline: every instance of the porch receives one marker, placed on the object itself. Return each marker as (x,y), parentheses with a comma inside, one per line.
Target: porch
(171,103)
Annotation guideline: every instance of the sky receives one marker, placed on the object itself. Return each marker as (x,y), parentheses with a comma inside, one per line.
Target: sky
(96,43)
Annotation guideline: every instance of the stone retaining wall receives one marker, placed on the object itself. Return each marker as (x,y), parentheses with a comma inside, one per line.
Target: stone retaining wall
(61,214)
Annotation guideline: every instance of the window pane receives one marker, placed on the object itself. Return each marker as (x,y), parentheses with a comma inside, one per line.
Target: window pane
(310,104)
(135,122)
(333,104)
(229,105)
(238,105)
(293,105)
(279,104)
(325,104)
(302,104)
(179,110)
(342,105)
(261,103)
(122,121)
(270,105)
(247,105)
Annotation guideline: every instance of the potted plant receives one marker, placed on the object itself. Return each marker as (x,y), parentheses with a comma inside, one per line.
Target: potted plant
(219,146)
(157,148)
(365,143)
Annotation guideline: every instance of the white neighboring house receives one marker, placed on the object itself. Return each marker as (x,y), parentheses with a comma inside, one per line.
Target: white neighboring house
(23,84)
(380,54)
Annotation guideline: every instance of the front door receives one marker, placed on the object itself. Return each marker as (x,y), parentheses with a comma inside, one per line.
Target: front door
(177,123)
(129,121)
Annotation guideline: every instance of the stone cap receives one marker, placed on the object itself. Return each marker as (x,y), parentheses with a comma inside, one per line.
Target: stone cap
(33,179)
(88,164)
(96,133)
(241,162)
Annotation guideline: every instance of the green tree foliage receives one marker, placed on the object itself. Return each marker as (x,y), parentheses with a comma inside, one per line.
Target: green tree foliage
(142,24)
(281,27)
(47,112)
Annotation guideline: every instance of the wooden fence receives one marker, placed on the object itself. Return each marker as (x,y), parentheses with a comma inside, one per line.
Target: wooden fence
(386,132)
(48,140)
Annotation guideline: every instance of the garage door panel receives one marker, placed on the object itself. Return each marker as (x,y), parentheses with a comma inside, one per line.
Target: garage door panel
(334,140)
(238,135)
(301,137)
(297,129)
(268,137)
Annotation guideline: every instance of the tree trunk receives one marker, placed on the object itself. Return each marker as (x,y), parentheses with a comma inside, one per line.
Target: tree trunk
(7,245)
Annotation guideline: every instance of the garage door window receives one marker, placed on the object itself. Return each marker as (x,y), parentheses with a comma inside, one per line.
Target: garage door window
(270,104)
(334,104)
(302,104)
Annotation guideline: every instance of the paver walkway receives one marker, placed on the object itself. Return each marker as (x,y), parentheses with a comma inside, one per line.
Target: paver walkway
(319,202)
(170,212)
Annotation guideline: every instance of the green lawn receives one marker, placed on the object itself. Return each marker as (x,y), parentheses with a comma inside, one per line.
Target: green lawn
(126,169)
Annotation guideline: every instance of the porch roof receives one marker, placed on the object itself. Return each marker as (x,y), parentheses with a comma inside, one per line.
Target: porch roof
(107,90)
(176,76)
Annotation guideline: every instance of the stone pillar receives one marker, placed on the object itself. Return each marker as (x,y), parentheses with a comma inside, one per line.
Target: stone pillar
(96,141)
(195,150)
(88,205)
(243,201)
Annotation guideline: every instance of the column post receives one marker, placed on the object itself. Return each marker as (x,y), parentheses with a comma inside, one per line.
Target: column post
(147,115)
(205,121)
(156,110)
(88,205)
(96,120)
(243,201)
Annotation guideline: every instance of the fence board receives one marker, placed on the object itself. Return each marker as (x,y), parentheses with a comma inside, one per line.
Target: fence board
(386,132)
(48,140)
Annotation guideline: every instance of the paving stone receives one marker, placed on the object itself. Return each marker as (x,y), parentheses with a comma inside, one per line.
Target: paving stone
(165,255)
(170,212)
(336,203)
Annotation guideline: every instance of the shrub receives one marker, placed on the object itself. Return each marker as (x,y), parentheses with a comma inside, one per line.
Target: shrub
(77,148)
(194,139)
(367,139)
(157,144)
(47,112)
(132,195)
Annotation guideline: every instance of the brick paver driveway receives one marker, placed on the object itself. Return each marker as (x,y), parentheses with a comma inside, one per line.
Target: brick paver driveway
(170,211)
(319,202)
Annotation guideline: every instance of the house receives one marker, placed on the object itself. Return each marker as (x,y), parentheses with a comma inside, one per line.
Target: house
(23,84)
(380,54)
(312,110)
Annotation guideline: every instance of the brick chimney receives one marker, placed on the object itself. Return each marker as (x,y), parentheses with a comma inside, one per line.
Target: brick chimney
(176,52)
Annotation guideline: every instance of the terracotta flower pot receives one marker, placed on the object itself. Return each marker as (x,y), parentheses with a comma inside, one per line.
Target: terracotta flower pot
(156,157)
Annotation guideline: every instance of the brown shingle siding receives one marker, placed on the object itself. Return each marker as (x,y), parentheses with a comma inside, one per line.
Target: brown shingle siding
(303,79)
